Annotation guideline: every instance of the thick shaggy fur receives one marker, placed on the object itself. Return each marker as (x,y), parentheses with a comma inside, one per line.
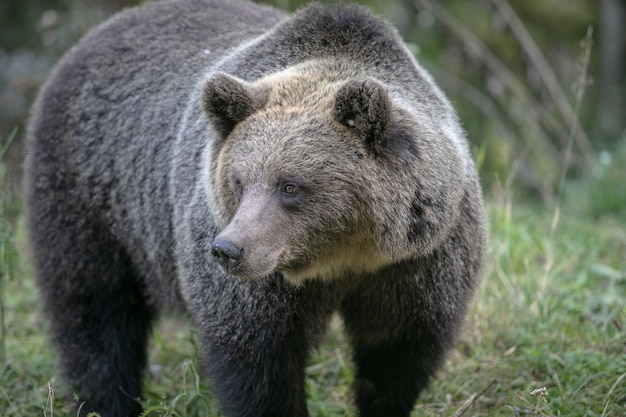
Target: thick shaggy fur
(261,172)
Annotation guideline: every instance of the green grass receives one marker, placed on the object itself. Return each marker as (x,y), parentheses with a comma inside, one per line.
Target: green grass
(550,313)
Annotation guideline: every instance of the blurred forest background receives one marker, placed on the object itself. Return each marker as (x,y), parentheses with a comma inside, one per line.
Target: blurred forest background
(540,85)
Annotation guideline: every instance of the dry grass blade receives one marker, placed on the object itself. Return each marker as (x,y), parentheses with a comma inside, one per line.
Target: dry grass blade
(50,400)
(608,396)
(579,90)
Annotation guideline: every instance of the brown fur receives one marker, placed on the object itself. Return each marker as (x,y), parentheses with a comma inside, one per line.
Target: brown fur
(260,171)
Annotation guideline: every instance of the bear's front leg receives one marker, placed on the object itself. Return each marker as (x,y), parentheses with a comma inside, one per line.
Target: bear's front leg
(401,322)
(390,375)
(257,339)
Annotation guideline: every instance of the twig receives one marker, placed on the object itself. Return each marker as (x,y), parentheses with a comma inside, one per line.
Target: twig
(5,146)
(469,403)
(477,49)
(547,75)
(474,96)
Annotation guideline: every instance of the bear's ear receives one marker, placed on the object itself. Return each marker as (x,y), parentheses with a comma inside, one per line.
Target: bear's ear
(228,100)
(364,106)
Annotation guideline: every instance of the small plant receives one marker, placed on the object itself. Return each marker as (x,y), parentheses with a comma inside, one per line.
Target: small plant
(193,399)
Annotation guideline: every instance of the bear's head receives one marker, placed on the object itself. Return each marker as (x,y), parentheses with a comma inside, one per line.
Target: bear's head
(313,176)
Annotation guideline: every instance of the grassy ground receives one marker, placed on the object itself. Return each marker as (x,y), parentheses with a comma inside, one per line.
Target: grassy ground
(551,313)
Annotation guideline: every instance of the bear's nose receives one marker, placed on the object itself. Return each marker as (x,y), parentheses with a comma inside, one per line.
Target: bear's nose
(227,253)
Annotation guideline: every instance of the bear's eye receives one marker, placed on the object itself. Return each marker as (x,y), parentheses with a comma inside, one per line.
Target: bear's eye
(291,194)
(290,189)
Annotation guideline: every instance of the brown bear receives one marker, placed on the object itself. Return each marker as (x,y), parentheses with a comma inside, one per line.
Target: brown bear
(260,171)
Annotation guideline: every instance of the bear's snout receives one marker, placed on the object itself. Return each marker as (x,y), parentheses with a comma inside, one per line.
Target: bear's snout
(227,253)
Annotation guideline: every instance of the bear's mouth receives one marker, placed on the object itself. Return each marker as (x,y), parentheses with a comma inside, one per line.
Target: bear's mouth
(242,273)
